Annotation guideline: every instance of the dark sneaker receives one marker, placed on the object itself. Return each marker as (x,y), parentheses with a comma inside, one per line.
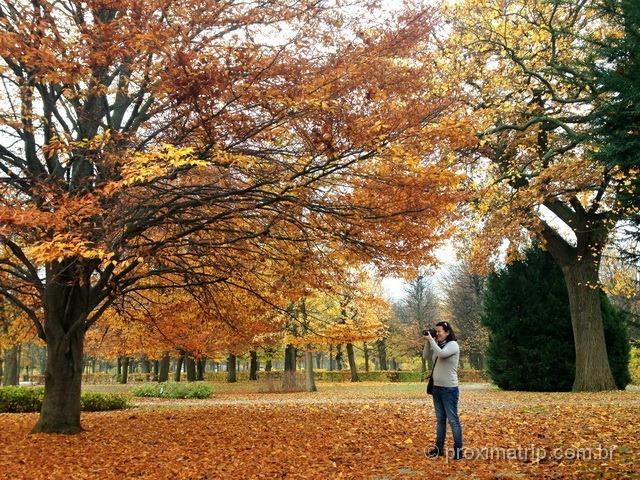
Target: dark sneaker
(434,452)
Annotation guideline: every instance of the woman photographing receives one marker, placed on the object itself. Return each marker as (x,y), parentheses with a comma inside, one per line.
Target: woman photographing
(445,354)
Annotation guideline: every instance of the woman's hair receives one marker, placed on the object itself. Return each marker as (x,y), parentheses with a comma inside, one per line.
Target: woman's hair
(446,326)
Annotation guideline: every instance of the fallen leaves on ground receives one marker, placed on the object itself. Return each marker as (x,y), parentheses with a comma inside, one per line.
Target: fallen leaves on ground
(337,436)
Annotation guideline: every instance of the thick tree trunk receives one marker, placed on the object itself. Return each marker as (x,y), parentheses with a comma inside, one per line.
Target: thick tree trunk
(178,371)
(61,405)
(382,354)
(163,374)
(290,354)
(580,264)
(310,382)
(231,368)
(200,366)
(11,367)
(352,362)
(592,364)
(253,368)
(191,368)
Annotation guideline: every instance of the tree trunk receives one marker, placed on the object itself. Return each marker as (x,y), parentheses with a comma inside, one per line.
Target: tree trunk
(331,360)
(119,369)
(11,367)
(178,368)
(200,366)
(61,404)
(423,367)
(146,365)
(310,382)
(253,370)
(382,354)
(163,373)
(339,357)
(319,360)
(231,368)
(352,363)
(365,348)
(191,367)
(125,370)
(592,363)
(580,265)
(290,353)
(268,365)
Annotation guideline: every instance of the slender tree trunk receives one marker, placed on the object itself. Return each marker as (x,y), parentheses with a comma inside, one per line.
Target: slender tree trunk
(331,360)
(146,365)
(352,362)
(310,383)
(423,367)
(231,368)
(119,370)
(163,373)
(191,367)
(339,357)
(268,365)
(156,370)
(319,360)
(200,366)
(593,372)
(253,370)
(125,370)
(365,348)
(382,354)
(11,367)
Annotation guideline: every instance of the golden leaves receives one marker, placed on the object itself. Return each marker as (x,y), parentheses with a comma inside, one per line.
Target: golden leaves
(144,167)
(63,246)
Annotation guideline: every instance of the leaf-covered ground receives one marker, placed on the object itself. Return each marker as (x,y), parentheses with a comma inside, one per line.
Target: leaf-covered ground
(372,431)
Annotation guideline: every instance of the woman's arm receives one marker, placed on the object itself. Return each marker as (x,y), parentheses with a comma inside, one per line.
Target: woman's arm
(451,348)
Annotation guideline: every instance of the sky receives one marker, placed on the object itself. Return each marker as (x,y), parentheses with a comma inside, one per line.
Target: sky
(394,287)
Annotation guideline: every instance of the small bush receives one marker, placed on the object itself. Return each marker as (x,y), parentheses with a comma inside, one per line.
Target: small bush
(174,390)
(101,402)
(25,399)
(20,399)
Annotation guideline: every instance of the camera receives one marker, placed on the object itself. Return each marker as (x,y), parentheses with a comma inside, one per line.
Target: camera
(431,331)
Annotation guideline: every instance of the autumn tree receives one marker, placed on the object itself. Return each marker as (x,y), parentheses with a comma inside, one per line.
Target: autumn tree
(532,103)
(146,142)
(420,310)
(462,305)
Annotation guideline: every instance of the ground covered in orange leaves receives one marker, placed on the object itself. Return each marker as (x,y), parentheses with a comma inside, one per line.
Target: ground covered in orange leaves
(366,431)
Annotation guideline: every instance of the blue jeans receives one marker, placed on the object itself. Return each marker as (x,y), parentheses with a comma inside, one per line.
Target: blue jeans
(445,401)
